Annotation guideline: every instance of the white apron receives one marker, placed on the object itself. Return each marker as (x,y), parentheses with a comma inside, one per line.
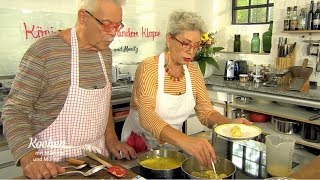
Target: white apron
(82,120)
(172,109)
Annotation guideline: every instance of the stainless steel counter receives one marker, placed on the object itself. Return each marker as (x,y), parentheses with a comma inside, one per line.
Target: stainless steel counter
(280,93)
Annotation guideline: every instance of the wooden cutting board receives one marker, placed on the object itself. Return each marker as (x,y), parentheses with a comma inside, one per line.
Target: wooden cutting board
(103,174)
(309,171)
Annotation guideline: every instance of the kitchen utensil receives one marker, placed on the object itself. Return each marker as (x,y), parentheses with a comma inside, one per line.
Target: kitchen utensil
(115,170)
(214,169)
(87,173)
(257,117)
(247,131)
(285,126)
(223,166)
(152,173)
(80,162)
(279,155)
(315,117)
(243,100)
(310,132)
(76,167)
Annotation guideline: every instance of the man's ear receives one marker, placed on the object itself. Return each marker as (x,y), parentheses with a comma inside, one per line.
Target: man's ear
(81,16)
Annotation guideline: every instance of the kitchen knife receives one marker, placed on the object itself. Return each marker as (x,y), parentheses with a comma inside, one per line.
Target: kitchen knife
(115,170)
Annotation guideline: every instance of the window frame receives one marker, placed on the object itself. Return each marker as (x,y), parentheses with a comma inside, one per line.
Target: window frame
(249,7)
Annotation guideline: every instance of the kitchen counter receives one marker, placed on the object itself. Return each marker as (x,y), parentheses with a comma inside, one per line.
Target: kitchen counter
(310,98)
(99,175)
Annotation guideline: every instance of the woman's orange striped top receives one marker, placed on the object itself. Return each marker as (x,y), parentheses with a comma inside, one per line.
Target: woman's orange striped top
(145,90)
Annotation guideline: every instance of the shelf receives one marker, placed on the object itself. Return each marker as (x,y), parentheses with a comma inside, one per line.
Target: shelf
(303,31)
(267,128)
(292,113)
(230,52)
(120,118)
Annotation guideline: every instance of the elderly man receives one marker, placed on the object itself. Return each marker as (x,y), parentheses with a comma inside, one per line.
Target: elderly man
(59,103)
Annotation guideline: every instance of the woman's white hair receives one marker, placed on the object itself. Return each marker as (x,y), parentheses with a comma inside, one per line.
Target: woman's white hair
(181,20)
(90,4)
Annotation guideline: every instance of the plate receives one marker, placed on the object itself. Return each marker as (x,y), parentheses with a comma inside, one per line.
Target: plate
(247,131)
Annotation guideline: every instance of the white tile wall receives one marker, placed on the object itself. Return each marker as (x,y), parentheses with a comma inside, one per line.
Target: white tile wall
(153,14)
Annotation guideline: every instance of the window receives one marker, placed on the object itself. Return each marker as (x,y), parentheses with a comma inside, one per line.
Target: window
(252,11)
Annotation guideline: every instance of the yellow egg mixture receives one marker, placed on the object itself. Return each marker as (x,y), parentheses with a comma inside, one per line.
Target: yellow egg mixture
(161,163)
(235,131)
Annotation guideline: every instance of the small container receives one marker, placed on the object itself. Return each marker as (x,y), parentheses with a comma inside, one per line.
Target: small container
(243,77)
(257,78)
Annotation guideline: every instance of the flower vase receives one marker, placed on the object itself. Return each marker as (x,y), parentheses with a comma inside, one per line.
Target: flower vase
(267,38)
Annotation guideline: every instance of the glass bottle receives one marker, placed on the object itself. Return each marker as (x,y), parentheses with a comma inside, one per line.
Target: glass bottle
(316,18)
(294,19)
(267,39)
(237,43)
(255,43)
(286,24)
(302,20)
(310,17)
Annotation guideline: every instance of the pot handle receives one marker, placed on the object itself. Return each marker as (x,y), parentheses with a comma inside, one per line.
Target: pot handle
(314,117)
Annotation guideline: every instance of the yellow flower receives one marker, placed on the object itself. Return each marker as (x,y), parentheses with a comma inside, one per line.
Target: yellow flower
(205,37)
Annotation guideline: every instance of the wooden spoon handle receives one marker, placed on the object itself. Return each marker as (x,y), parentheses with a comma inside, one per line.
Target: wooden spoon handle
(95,157)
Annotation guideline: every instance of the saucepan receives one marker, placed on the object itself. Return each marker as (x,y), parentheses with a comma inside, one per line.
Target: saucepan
(161,164)
(191,167)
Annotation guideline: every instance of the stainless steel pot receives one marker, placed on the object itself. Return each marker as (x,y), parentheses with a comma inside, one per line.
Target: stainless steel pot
(310,132)
(223,166)
(161,174)
(285,126)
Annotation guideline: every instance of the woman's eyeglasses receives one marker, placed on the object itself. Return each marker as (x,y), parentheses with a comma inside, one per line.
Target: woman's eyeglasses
(187,46)
(107,26)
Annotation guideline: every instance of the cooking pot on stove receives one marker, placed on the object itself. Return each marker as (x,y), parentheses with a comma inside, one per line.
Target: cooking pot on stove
(223,166)
(163,173)
(310,132)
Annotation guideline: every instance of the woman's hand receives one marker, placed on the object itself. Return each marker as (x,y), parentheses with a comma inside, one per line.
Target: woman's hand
(242,121)
(200,148)
(35,167)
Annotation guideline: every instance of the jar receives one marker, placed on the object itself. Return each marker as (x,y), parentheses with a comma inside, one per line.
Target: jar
(265,72)
(257,78)
(237,43)
(255,43)
(251,71)
(243,77)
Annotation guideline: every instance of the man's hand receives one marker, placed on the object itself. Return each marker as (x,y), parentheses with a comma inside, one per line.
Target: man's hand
(34,167)
(115,146)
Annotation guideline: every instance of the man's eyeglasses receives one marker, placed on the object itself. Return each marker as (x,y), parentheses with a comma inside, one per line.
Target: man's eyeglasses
(187,46)
(107,26)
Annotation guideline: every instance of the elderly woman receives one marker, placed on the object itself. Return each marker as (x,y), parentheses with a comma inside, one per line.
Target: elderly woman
(167,88)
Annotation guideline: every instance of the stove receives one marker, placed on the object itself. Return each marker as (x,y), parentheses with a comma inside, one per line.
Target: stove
(249,157)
